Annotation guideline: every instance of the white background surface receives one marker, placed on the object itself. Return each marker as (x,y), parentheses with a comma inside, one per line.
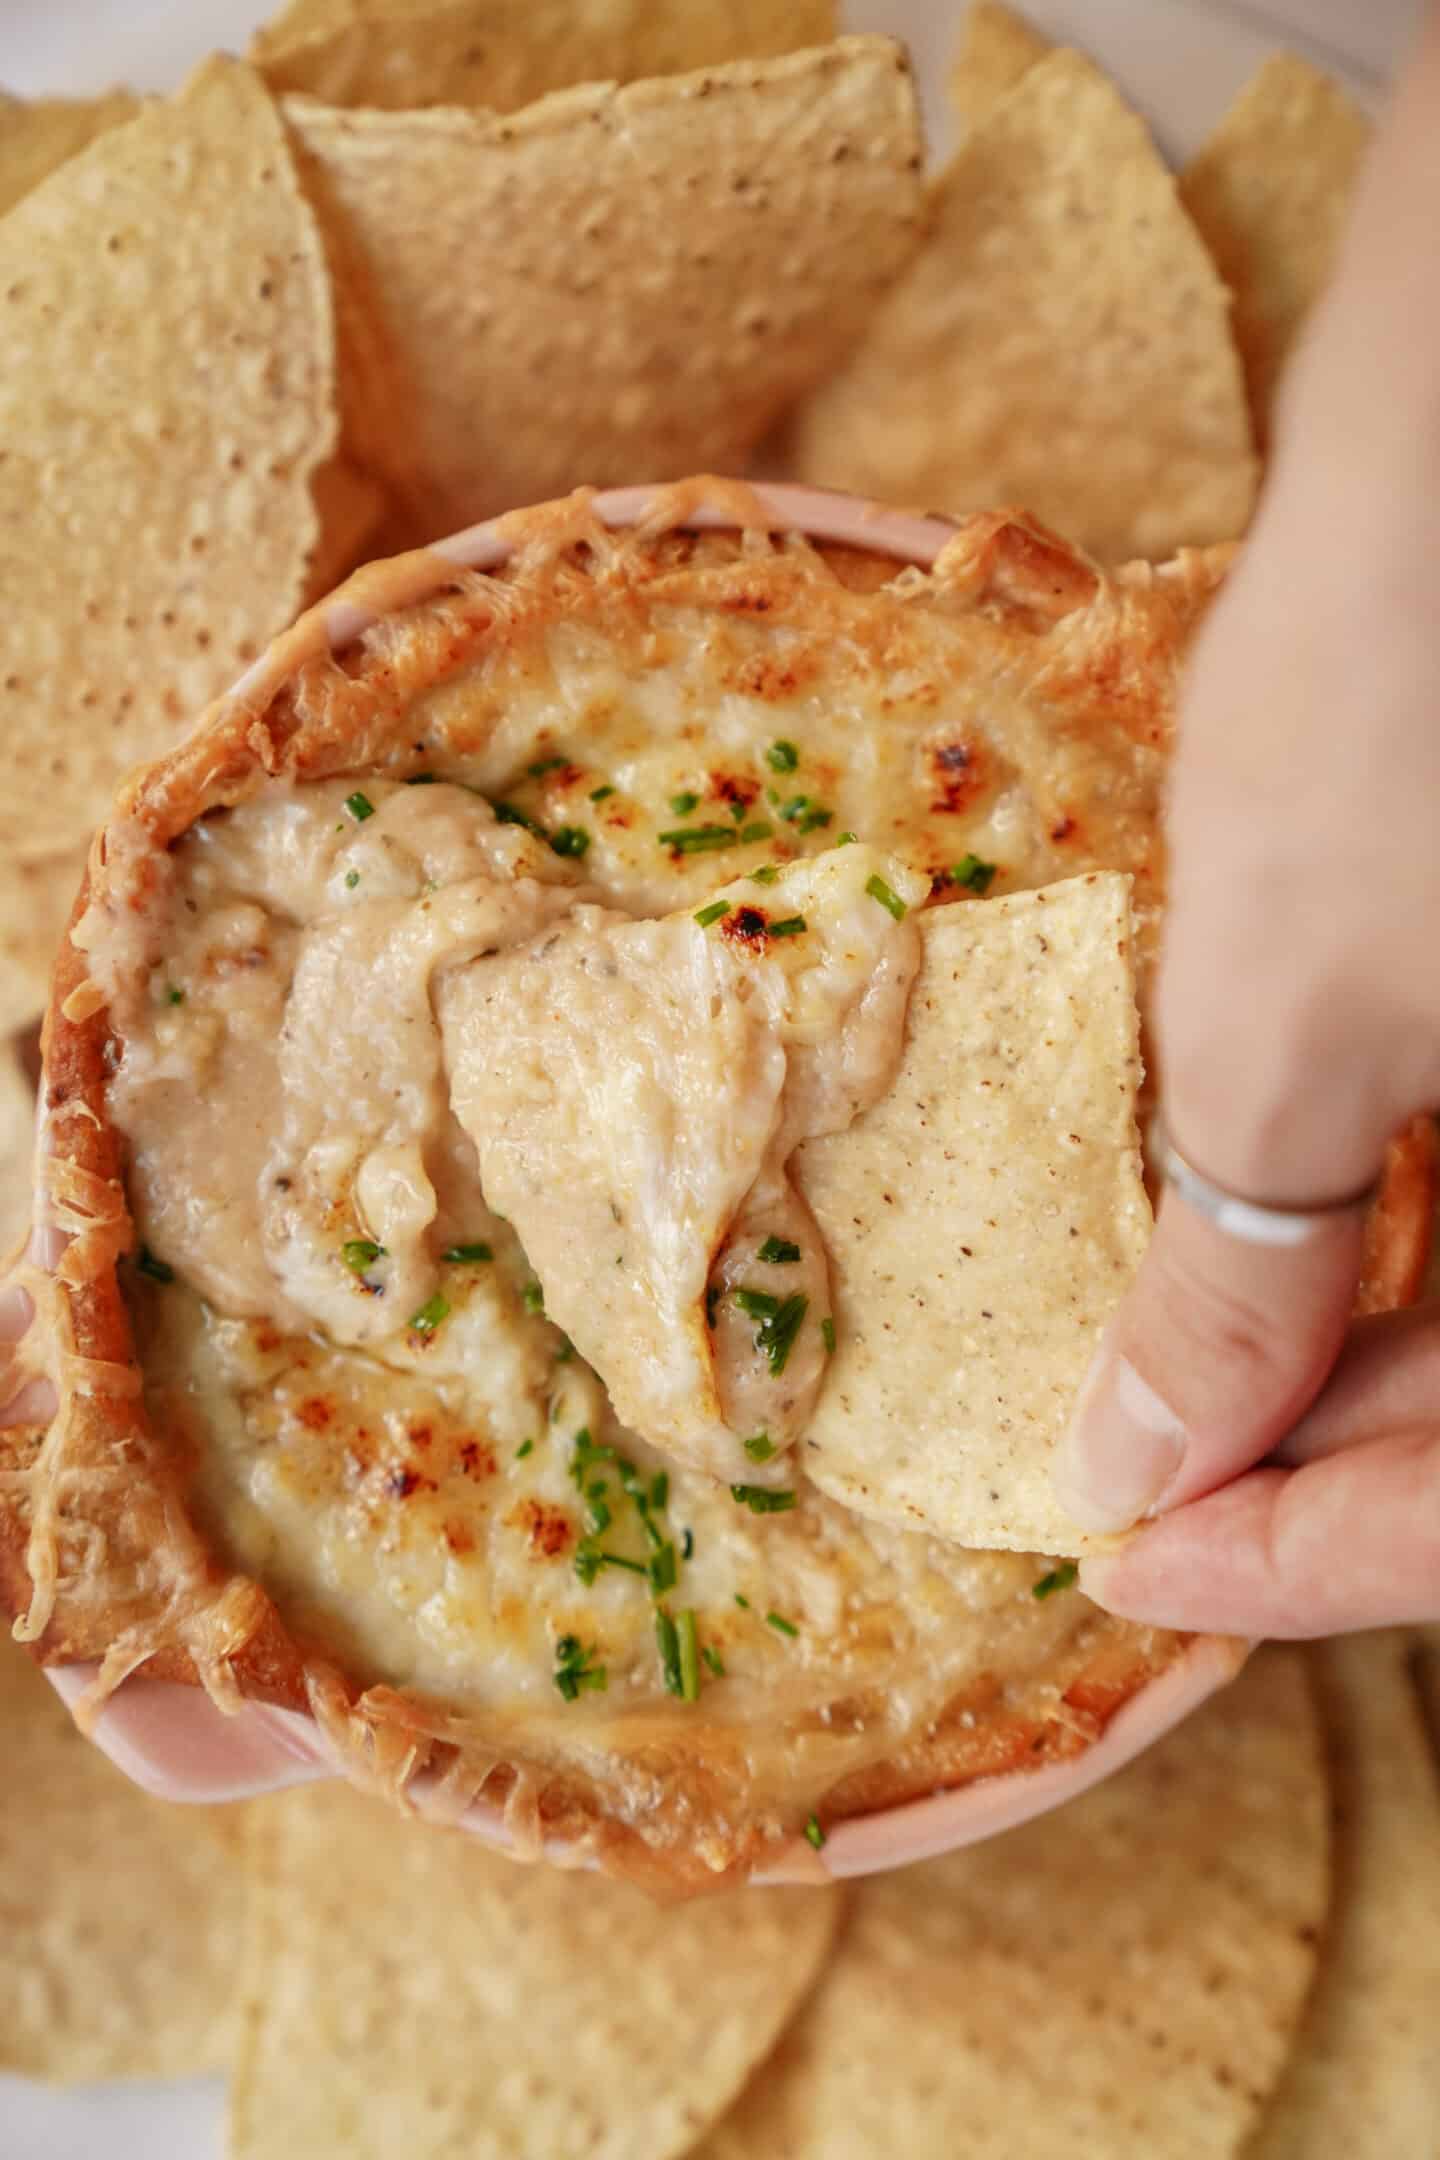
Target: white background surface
(1180,60)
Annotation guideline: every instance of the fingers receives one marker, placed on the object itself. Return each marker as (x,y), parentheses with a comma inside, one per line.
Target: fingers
(1386,1381)
(1215,1354)
(1349,1541)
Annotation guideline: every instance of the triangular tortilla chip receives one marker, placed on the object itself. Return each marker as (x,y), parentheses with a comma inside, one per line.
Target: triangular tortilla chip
(1120,1980)
(617,281)
(38,135)
(983,1220)
(392,56)
(35,903)
(997,47)
(409,1991)
(1062,342)
(1365,2077)
(121,1913)
(1270,192)
(167,395)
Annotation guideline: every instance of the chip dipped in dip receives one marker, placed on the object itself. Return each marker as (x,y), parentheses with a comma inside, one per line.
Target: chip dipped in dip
(433,1316)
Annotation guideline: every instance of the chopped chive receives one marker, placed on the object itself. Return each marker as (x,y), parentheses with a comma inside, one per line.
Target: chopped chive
(565,1352)
(663,1570)
(689,1657)
(174,996)
(976,875)
(544,765)
(737,813)
(814,819)
(689,1545)
(706,915)
(827,1335)
(1063,1577)
(761,1500)
(845,839)
(781,1625)
(667,1642)
(758,1304)
(586,1456)
(570,840)
(157,1270)
(697,839)
(467,1255)
(792,926)
(431,1313)
(879,890)
(757,829)
(814,1833)
(597,1517)
(776,1335)
(779,1251)
(420,779)
(507,814)
(526,1447)
(358,1253)
(532,1297)
(359,806)
(575,1671)
(742,1602)
(660,1490)
(683,803)
(714,1660)
(601,794)
(782,756)
(759,1447)
(795,808)
(352,879)
(766,874)
(630,1479)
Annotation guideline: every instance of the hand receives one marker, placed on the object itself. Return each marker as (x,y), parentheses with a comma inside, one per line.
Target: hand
(1298,1015)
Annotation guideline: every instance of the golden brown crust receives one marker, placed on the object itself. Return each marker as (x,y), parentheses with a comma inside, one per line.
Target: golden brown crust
(115,1571)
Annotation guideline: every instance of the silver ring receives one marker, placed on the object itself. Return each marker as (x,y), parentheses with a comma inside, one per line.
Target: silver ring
(1247,1220)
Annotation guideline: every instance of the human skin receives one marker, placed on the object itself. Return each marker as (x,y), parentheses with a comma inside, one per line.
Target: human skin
(1286,1465)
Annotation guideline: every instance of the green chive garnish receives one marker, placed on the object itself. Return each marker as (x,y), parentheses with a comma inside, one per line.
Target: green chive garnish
(742,1602)
(667,1641)
(544,765)
(586,1456)
(532,1297)
(737,813)
(766,874)
(792,926)
(601,794)
(683,803)
(827,1335)
(507,814)
(526,1447)
(359,806)
(759,1304)
(570,840)
(782,756)
(1063,1577)
(759,829)
(714,1660)
(759,1447)
(689,1545)
(358,1253)
(431,1313)
(597,1517)
(814,1832)
(976,875)
(777,1332)
(660,1490)
(663,1570)
(352,879)
(706,915)
(779,1251)
(689,1657)
(157,1270)
(781,1625)
(762,1501)
(574,1670)
(879,890)
(698,839)
(174,996)
(467,1255)
(846,839)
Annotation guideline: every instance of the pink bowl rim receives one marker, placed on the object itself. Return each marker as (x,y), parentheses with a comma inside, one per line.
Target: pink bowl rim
(178,1746)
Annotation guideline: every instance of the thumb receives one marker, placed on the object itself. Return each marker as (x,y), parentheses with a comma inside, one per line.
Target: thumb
(1218,1349)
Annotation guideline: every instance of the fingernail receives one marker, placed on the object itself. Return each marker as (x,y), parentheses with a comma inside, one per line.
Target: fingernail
(1122,1449)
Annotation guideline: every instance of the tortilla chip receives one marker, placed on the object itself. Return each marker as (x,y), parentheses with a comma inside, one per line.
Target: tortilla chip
(120,1913)
(35,903)
(1119,1980)
(967,1313)
(17,1134)
(37,136)
(1365,2077)
(409,1991)
(488,52)
(167,398)
(997,47)
(1062,342)
(616,281)
(1270,192)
